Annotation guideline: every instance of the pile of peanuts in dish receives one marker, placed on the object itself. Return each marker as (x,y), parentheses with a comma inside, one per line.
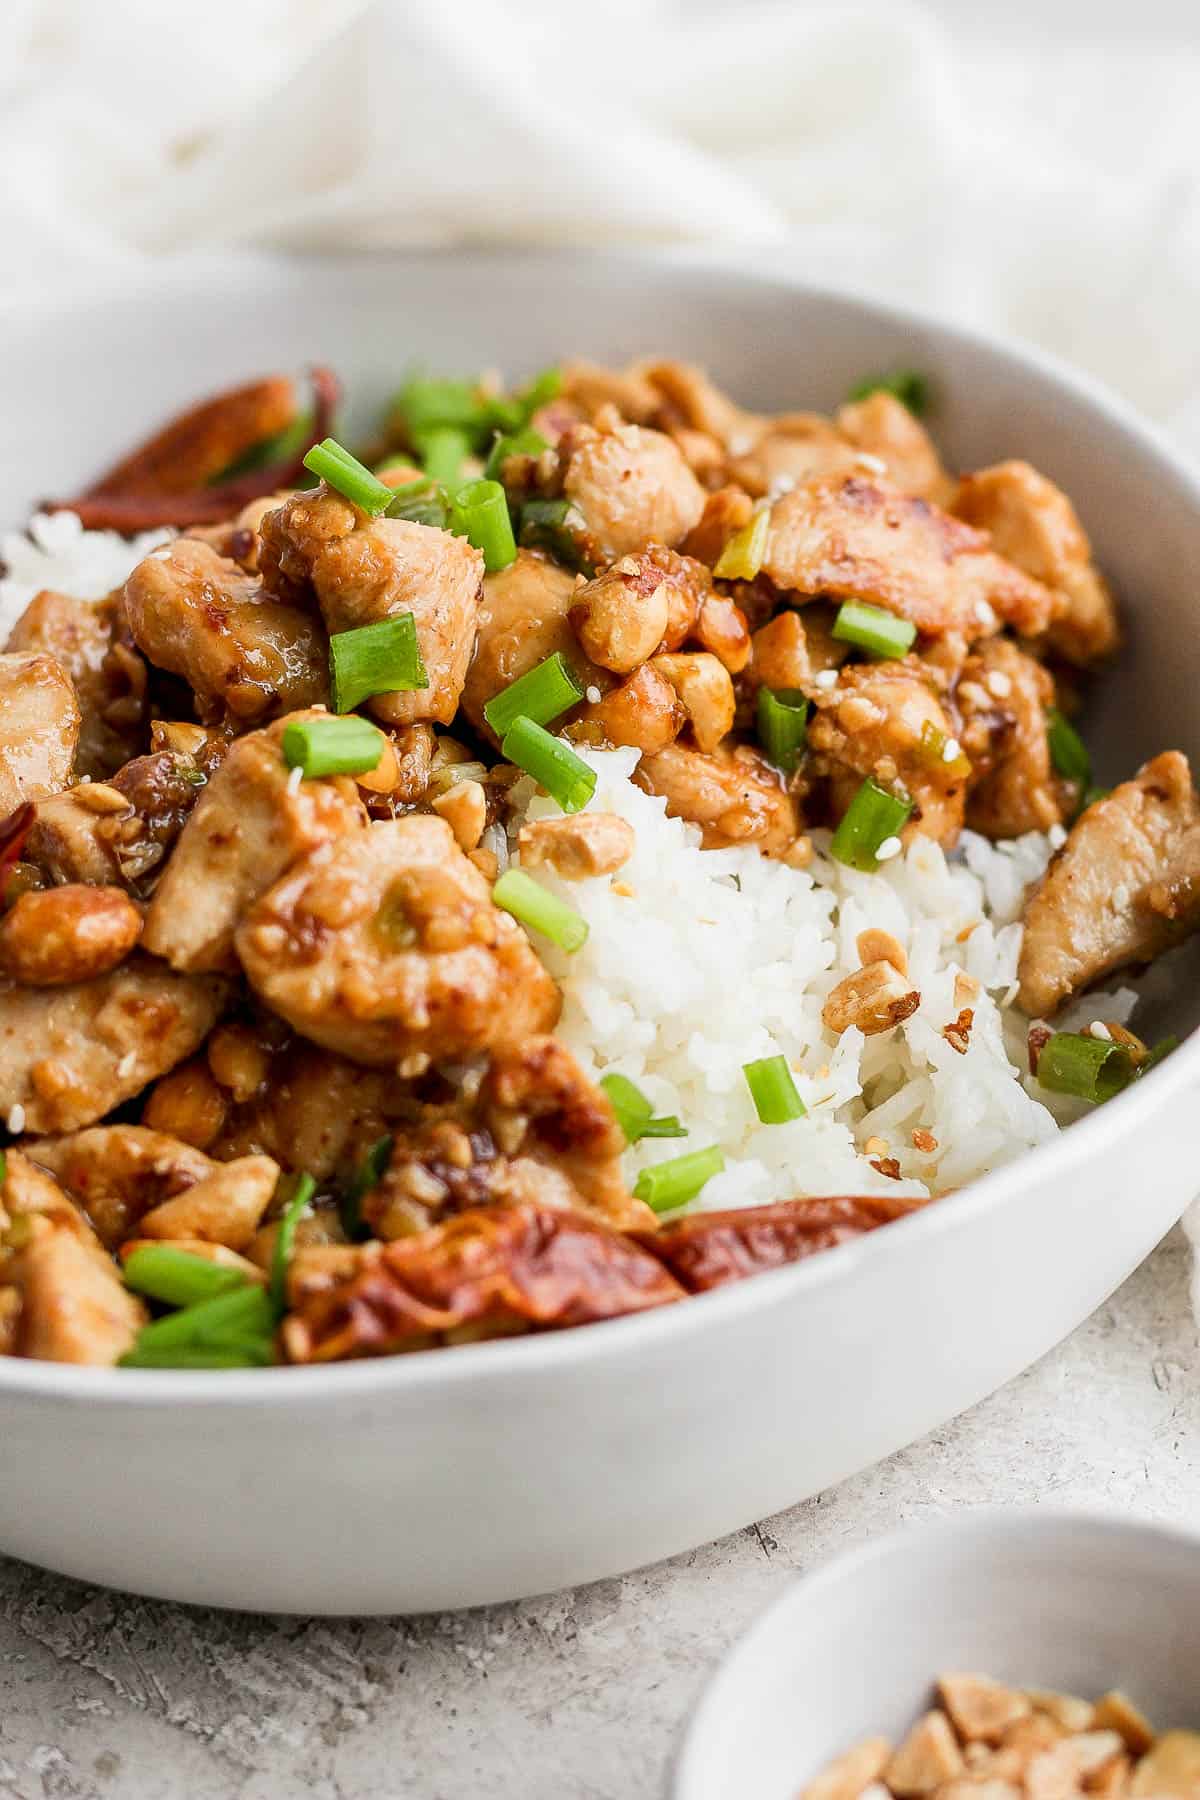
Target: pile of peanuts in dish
(985,1741)
(277,1061)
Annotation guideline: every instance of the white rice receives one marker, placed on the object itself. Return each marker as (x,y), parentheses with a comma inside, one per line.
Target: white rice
(719,957)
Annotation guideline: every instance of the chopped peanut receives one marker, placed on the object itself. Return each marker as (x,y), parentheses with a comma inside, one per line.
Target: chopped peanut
(464,808)
(928,1756)
(1115,1711)
(705,692)
(875,946)
(874,999)
(847,1778)
(1067,1710)
(187,1104)
(958,1033)
(67,934)
(923,1140)
(578,846)
(981,1708)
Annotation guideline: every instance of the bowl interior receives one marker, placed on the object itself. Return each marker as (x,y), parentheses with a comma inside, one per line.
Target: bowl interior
(1071,1603)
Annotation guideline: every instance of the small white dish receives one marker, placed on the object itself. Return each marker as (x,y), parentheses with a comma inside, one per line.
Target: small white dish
(1075,1602)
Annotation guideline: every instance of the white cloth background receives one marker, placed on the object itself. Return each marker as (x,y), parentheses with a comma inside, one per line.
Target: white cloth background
(1047,183)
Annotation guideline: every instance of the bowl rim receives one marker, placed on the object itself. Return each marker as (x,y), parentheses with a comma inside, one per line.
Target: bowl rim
(1062,1157)
(963,1524)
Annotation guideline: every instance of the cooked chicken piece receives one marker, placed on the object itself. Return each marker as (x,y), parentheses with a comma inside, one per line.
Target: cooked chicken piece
(882,426)
(386,947)
(579,846)
(853,538)
(364,570)
(522,620)
(240,538)
(632,488)
(1124,887)
(117,1173)
(242,652)
(250,824)
(705,691)
(464,808)
(588,388)
(67,934)
(686,397)
(72,1305)
(490,1270)
(225,1207)
(39,728)
(884,720)
(707,1250)
(1034,525)
(644,712)
(735,795)
(1002,697)
(790,448)
(70,1054)
(120,831)
(311,1111)
(539,1133)
(88,638)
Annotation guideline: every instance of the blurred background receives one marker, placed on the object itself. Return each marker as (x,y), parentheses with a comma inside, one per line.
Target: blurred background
(1033,165)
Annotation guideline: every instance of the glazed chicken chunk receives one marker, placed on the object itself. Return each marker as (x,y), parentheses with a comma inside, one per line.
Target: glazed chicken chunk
(523,618)
(885,720)
(1004,697)
(1124,887)
(88,639)
(735,795)
(39,728)
(386,947)
(364,570)
(631,488)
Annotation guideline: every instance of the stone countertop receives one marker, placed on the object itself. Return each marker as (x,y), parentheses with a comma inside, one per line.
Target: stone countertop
(579,1696)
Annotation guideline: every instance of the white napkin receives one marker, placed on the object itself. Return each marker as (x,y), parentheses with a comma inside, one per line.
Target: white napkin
(1048,187)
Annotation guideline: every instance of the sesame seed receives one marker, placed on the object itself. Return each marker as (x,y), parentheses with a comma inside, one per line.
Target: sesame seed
(294,779)
(827,678)
(127,1064)
(952,751)
(741,443)
(1057,836)
(999,684)
(594,695)
(986,615)
(16,1118)
(876,464)
(1098,1029)
(1119,898)
(782,484)
(891,846)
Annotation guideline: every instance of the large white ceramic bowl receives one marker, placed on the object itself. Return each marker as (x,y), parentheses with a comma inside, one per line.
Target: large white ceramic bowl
(1067,1601)
(453,1478)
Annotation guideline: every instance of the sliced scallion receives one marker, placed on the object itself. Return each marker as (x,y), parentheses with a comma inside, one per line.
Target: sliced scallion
(540,910)
(349,746)
(782,725)
(240,1323)
(773,1090)
(177,1277)
(745,552)
(252,1353)
(527,442)
(872,629)
(540,694)
(635,1115)
(1090,1068)
(421,503)
(443,451)
(872,817)
(285,1239)
(1068,752)
(908,386)
(551,525)
(338,469)
(564,775)
(384,658)
(544,387)
(479,512)
(666,1185)
(368,1175)
(426,403)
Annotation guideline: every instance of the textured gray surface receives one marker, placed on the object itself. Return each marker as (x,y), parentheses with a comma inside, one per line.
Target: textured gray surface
(575,1697)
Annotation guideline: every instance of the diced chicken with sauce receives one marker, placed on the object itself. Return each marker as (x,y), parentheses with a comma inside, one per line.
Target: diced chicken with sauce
(631,488)
(89,640)
(734,795)
(884,720)
(39,728)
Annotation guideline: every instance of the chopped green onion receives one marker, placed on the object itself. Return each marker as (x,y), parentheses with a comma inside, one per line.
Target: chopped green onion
(1091,795)
(553,525)
(908,386)
(1158,1054)
(479,512)
(177,1277)
(3,1167)
(565,776)
(782,725)
(1090,1068)
(241,1322)
(745,552)
(285,1239)
(872,629)
(338,469)
(540,694)
(253,1353)
(521,443)
(1068,752)
(773,1090)
(426,404)
(443,452)
(348,746)
(540,910)
(368,1175)
(544,387)
(666,1185)
(872,817)
(421,503)
(384,658)
(635,1115)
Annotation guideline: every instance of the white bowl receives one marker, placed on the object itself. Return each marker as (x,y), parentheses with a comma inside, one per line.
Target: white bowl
(455,1478)
(1066,1601)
